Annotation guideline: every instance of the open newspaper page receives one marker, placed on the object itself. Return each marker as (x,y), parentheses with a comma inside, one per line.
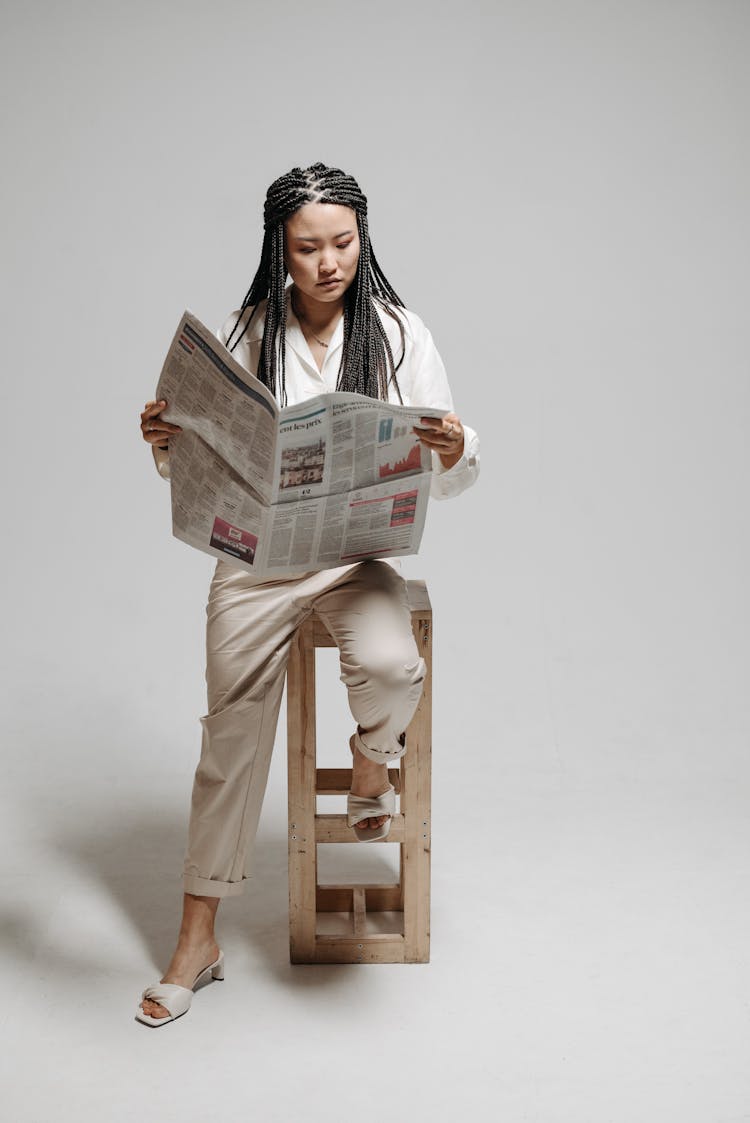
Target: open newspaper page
(217,487)
(353,482)
(334,479)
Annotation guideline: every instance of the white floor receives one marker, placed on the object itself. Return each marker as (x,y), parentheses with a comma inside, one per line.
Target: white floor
(589,961)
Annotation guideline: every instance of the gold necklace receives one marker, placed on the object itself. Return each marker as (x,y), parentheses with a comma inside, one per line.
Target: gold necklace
(302,320)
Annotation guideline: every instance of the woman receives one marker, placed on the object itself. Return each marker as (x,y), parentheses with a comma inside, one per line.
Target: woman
(338,326)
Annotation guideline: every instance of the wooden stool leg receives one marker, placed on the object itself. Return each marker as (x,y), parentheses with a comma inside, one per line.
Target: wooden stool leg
(416,777)
(302,797)
(411,829)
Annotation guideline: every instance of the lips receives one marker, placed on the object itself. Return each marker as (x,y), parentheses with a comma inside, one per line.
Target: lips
(327,284)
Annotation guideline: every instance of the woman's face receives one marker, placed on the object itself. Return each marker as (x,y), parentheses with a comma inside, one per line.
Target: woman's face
(321,245)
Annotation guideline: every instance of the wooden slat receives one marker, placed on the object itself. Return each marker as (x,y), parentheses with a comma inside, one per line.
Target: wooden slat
(334,828)
(385,948)
(358,910)
(337,781)
(338,898)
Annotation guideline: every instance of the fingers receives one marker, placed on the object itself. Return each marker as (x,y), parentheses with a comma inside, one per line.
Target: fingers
(153,408)
(158,433)
(432,423)
(154,429)
(437,441)
(445,434)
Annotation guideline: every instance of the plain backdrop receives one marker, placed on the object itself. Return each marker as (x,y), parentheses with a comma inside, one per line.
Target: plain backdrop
(560,190)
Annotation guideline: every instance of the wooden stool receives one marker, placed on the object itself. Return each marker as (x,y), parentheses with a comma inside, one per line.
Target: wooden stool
(409,899)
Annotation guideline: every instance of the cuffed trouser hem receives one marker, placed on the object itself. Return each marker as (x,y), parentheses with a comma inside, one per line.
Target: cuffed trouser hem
(380,756)
(207,887)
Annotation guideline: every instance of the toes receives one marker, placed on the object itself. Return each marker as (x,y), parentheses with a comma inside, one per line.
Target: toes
(154,1009)
(373,822)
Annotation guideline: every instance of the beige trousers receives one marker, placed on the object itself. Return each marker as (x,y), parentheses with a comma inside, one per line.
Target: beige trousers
(250,626)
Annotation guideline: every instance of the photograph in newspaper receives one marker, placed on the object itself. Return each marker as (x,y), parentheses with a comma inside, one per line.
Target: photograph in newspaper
(302,465)
(303,441)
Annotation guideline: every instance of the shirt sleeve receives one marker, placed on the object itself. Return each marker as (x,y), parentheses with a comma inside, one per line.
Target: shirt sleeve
(430,388)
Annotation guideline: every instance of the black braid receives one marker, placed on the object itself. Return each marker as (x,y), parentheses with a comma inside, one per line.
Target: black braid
(367,363)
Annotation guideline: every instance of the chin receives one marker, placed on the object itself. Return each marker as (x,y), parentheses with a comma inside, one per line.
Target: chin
(327,295)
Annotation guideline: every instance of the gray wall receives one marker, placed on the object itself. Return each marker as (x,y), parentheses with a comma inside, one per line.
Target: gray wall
(560,191)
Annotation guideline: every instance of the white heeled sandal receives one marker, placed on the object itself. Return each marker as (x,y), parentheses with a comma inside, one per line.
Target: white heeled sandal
(359,807)
(177,999)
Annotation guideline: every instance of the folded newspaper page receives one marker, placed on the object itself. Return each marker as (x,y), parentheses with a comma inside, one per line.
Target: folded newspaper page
(334,479)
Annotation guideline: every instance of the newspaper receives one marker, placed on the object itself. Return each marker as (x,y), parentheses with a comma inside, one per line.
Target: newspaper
(332,480)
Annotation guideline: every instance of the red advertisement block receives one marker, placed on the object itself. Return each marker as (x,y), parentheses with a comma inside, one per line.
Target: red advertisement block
(233,540)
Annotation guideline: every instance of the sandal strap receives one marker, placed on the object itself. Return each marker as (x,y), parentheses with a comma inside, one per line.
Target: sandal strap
(359,807)
(171,996)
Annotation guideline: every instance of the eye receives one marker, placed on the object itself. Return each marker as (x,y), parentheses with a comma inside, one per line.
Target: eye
(307,249)
(343,245)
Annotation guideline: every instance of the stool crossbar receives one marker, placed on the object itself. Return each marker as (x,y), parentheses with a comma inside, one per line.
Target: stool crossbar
(408,900)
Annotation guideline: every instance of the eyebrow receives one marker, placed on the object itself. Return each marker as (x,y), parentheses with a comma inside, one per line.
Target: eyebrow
(342,235)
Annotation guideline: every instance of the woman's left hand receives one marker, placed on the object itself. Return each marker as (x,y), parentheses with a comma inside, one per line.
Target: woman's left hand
(445,436)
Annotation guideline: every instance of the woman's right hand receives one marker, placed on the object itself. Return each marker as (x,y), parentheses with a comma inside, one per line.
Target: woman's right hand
(154,429)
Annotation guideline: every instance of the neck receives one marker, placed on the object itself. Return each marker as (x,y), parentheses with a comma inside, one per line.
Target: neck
(317,314)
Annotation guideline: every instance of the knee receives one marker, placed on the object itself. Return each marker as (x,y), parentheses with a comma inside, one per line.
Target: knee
(394,670)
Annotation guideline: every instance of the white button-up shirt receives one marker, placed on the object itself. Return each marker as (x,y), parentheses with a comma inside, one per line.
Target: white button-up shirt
(421,378)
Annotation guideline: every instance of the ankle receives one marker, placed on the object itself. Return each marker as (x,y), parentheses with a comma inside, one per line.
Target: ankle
(196,935)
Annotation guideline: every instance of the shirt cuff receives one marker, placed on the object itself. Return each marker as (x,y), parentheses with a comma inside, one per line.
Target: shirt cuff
(161,459)
(447,482)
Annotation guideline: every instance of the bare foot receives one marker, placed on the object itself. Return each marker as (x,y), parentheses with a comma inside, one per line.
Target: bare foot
(368,778)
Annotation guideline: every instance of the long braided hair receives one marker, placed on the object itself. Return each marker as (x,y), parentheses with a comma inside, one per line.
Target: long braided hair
(367,364)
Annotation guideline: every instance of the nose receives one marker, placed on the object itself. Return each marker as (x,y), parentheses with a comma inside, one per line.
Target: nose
(327,263)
